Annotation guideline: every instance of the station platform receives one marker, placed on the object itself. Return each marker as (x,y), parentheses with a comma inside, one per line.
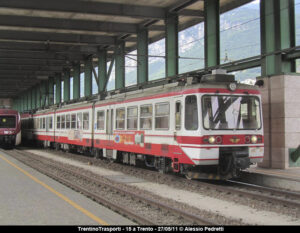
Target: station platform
(31,198)
(276,178)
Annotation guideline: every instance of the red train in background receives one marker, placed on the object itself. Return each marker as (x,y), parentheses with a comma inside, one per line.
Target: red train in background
(10,128)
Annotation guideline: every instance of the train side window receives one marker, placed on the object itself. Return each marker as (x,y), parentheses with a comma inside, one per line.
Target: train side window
(58,122)
(120,118)
(68,121)
(191,113)
(132,117)
(63,122)
(73,121)
(162,115)
(100,120)
(44,123)
(41,123)
(50,121)
(178,115)
(146,116)
(35,123)
(79,120)
(85,120)
(47,123)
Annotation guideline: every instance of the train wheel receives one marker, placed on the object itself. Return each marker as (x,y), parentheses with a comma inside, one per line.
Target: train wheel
(163,165)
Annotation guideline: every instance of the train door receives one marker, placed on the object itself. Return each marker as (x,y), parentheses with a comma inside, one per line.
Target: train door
(93,123)
(109,152)
(109,123)
(109,129)
(177,121)
(178,117)
(46,130)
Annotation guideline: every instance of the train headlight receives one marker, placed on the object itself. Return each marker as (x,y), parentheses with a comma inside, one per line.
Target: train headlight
(211,139)
(8,132)
(254,139)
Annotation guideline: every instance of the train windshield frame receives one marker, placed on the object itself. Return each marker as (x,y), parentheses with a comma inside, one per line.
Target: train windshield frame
(231,112)
(7,122)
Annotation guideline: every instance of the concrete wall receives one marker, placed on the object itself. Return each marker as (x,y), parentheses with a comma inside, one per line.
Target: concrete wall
(281,117)
(6,103)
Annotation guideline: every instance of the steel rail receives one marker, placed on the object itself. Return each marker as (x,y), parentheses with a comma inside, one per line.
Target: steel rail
(264,188)
(258,196)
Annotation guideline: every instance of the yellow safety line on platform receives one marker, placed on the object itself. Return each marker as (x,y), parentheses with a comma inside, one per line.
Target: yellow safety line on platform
(75,205)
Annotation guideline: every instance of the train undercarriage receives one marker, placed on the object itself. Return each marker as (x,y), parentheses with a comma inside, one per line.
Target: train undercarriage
(7,141)
(232,160)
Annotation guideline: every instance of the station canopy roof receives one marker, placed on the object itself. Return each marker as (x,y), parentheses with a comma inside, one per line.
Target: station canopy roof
(41,37)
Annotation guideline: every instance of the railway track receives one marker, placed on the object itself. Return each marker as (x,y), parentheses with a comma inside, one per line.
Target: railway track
(269,195)
(279,201)
(83,184)
(284,197)
(260,195)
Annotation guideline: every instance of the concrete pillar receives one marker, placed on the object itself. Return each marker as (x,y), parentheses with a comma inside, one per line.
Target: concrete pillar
(281,117)
(102,71)
(212,32)
(277,33)
(76,81)
(58,88)
(33,98)
(25,101)
(66,79)
(88,77)
(21,104)
(16,104)
(38,96)
(29,103)
(51,91)
(44,93)
(171,45)
(120,65)
(142,56)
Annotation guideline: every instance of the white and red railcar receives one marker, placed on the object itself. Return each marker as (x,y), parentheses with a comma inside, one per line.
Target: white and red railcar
(197,130)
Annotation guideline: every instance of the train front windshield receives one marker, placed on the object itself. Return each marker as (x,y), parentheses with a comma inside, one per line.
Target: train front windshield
(223,112)
(7,122)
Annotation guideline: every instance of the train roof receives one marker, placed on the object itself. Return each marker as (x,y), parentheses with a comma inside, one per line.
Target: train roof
(175,87)
(8,112)
(62,108)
